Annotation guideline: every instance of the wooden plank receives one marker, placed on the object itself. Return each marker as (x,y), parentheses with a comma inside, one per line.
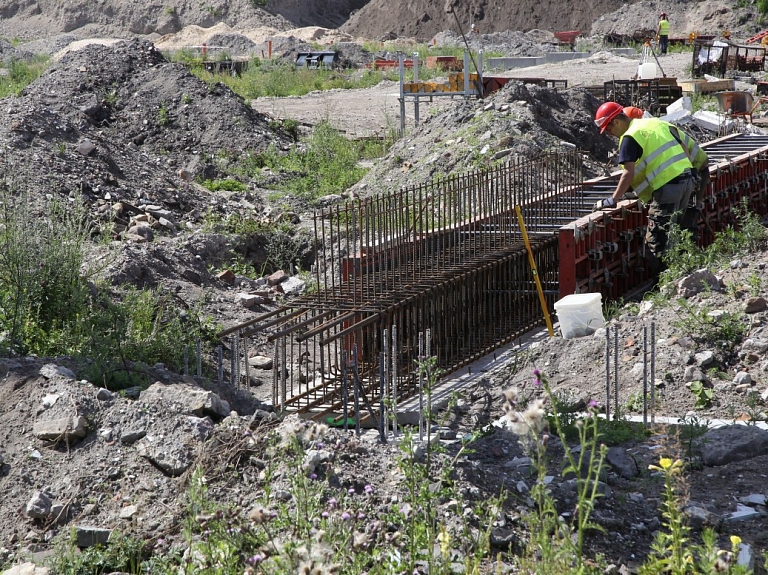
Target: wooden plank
(705,87)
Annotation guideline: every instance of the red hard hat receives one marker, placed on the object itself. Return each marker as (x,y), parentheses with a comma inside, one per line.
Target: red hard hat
(633,112)
(606,113)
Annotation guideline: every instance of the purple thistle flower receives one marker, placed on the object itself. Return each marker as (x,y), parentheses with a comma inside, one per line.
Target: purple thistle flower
(313,475)
(368,489)
(345,516)
(325,515)
(351,490)
(332,502)
(593,404)
(536,373)
(258,558)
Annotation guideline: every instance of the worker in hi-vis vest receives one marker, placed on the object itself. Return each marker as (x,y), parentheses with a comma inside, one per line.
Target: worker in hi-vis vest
(660,166)
(663,33)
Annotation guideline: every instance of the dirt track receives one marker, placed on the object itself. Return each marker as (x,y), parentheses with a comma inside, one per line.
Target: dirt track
(375,111)
(359,113)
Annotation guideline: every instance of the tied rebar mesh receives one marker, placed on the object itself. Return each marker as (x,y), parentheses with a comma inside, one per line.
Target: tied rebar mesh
(446,257)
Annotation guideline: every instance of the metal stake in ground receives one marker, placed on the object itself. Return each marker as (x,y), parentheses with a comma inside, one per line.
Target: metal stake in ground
(616,371)
(355,389)
(645,376)
(653,372)
(344,391)
(382,436)
(421,386)
(608,372)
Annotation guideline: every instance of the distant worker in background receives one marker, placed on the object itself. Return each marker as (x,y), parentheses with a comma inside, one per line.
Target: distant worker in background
(660,164)
(663,33)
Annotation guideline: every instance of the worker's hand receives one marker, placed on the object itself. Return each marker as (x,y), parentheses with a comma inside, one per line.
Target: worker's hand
(603,204)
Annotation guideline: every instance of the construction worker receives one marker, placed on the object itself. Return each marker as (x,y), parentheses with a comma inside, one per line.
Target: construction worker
(657,166)
(663,33)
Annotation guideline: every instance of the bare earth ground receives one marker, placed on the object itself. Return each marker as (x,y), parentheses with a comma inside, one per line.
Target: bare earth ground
(375,111)
(104,474)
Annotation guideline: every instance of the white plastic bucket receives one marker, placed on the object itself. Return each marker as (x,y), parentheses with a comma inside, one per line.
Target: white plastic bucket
(646,71)
(580,314)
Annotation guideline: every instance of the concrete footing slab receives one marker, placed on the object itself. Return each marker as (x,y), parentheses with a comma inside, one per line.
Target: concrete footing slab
(507,63)
(624,51)
(554,57)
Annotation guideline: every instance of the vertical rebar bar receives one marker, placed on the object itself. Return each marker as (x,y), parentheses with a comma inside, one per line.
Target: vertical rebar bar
(382,432)
(394,380)
(344,391)
(186,358)
(653,373)
(428,351)
(387,378)
(283,373)
(232,360)
(236,353)
(356,389)
(616,371)
(645,376)
(219,363)
(247,363)
(421,386)
(608,372)
(276,375)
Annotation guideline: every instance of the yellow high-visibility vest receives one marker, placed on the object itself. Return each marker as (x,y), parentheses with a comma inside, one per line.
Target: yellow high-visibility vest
(663,156)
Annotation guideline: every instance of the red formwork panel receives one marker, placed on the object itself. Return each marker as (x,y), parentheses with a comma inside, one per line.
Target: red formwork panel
(605,251)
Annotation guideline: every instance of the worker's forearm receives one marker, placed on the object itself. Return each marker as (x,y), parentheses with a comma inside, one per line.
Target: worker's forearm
(625,181)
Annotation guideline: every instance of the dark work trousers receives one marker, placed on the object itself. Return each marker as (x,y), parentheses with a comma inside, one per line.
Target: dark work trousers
(663,43)
(669,205)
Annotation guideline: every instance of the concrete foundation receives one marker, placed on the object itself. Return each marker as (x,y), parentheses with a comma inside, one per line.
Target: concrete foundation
(554,57)
(508,63)
(624,51)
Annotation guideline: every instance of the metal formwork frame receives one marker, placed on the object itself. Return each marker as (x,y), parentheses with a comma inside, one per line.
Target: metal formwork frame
(445,257)
(604,252)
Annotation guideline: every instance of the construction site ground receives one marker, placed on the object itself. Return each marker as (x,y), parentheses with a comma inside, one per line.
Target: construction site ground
(102,476)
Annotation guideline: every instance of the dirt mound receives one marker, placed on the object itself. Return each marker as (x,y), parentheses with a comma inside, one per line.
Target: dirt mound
(382,19)
(119,123)
(34,20)
(518,120)
(710,18)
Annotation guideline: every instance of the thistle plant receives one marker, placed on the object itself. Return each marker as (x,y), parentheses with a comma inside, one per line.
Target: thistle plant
(557,544)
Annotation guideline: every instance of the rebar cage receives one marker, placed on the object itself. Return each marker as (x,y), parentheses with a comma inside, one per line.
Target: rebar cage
(445,257)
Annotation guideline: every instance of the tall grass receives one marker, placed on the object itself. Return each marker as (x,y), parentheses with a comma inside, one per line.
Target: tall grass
(327,163)
(21,73)
(50,306)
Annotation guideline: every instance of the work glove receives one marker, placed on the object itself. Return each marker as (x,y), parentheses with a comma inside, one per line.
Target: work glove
(603,204)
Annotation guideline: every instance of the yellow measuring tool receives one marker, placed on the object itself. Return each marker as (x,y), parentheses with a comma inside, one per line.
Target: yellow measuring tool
(535,271)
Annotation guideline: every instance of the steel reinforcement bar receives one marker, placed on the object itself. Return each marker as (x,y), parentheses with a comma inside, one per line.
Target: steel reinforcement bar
(605,251)
(445,257)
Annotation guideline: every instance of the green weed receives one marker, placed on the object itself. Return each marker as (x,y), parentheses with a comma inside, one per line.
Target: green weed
(724,330)
(22,73)
(703,394)
(163,115)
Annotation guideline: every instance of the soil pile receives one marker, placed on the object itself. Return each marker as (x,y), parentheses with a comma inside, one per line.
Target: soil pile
(130,132)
